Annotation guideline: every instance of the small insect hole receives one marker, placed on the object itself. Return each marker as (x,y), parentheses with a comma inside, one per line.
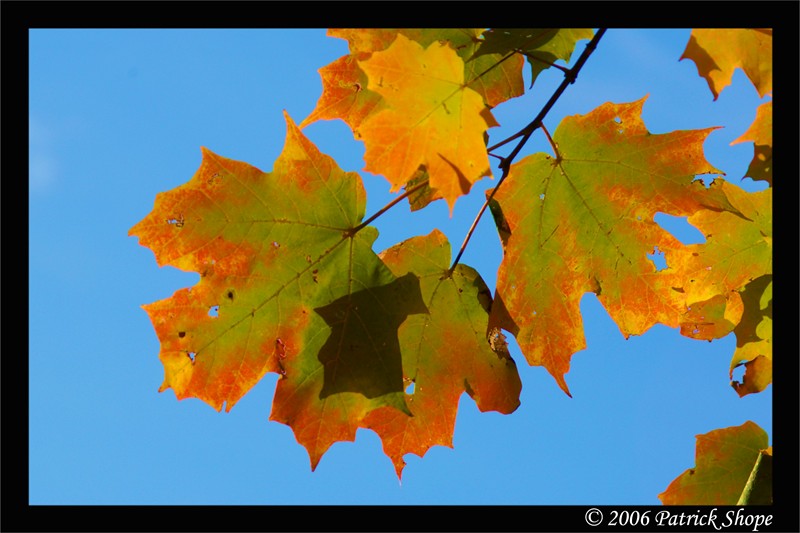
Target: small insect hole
(177,221)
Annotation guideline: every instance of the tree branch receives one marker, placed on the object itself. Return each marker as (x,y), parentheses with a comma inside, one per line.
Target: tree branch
(505,164)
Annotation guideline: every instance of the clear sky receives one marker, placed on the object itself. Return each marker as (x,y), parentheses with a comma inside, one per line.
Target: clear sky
(117,116)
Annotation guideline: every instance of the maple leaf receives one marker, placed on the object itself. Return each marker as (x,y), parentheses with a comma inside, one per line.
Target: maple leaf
(446,352)
(760,133)
(542,46)
(345,93)
(290,284)
(754,338)
(278,258)
(348,96)
(733,466)
(714,277)
(584,222)
(738,245)
(431,119)
(718,52)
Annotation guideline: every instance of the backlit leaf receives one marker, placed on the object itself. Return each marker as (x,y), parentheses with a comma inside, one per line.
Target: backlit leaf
(446,352)
(724,463)
(760,133)
(290,284)
(754,338)
(541,46)
(718,52)
(286,286)
(345,94)
(430,119)
(738,247)
(348,96)
(585,223)
(714,277)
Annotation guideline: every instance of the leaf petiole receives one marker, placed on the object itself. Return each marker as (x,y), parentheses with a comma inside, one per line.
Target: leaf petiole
(388,206)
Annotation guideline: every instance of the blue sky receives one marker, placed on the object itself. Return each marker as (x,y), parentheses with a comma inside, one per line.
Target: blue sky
(117,116)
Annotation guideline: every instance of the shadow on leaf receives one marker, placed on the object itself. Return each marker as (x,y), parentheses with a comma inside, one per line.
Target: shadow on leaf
(362,353)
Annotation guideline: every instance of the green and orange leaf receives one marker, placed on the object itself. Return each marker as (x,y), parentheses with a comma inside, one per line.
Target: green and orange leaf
(733,466)
(275,251)
(585,223)
(738,247)
(446,352)
(290,284)
(725,278)
(719,52)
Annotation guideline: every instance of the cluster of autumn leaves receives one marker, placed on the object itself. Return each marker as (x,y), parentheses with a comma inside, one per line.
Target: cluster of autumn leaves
(290,282)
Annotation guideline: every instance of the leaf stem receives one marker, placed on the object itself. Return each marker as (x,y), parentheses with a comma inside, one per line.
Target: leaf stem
(475,223)
(532,57)
(388,206)
(525,134)
(553,145)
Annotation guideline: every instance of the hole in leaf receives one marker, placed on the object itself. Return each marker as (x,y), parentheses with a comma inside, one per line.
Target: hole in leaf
(213,311)
(275,245)
(679,228)
(231,294)
(658,258)
(177,221)
(541,196)
(738,373)
(705,180)
(410,388)
(618,120)
(192,356)
(181,334)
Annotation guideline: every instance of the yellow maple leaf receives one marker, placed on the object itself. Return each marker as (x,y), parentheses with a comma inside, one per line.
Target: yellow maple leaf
(431,119)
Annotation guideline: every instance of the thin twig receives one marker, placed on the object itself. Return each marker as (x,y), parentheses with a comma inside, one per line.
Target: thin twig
(388,206)
(475,222)
(526,133)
